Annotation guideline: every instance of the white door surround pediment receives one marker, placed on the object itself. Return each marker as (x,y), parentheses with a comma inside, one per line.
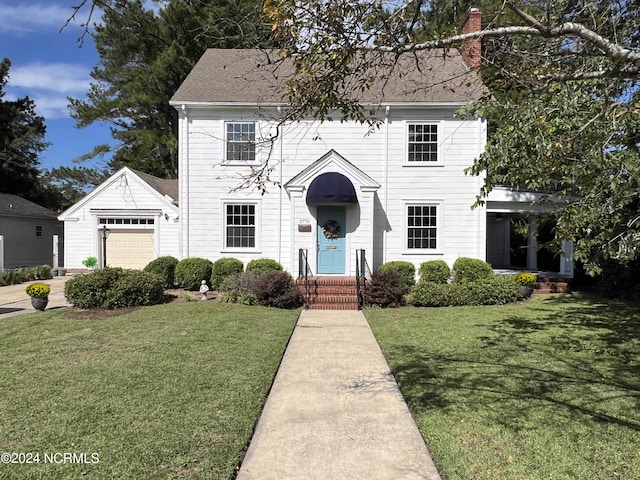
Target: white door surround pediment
(331,161)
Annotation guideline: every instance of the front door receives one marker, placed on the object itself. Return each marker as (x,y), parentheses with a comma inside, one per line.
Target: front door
(331,239)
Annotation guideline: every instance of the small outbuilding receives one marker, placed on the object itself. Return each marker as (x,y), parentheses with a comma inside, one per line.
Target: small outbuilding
(29,234)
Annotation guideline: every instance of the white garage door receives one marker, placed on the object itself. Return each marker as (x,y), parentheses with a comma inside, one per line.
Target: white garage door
(130,248)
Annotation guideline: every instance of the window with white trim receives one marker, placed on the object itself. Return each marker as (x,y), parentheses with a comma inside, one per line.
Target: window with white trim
(423,224)
(422,143)
(240,141)
(240,225)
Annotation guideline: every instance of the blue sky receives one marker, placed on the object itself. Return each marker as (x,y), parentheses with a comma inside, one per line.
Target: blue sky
(48,66)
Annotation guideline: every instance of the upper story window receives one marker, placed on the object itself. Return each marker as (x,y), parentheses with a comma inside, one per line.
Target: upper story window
(38,230)
(422,143)
(240,141)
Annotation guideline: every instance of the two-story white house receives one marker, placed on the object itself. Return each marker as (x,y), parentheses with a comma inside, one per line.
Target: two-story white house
(398,191)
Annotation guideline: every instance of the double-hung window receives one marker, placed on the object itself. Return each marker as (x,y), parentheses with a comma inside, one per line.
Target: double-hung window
(240,141)
(422,144)
(423,226)
(240,224)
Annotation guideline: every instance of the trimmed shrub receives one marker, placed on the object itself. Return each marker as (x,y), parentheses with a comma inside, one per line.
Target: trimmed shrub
(135,288)
(111,288)
(496,290)
(427,294)
(276,289)
(190,272)
(13,277)
(406,270)
(263,265)
(237,288)
(385,289)
(165,268)
(91,290)
(222,268)
(271,289)
(39,272)
(435,271)
(469,270)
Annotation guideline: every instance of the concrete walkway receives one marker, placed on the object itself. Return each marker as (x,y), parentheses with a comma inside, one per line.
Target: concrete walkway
(14,300)
(335,411)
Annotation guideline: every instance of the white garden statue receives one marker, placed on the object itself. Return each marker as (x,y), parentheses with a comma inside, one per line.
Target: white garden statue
(204,288)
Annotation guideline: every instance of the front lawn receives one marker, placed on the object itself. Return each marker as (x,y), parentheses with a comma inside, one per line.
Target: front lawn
(171,391)
(548,389)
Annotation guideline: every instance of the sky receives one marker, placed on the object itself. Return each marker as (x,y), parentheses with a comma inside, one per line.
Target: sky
(49,65)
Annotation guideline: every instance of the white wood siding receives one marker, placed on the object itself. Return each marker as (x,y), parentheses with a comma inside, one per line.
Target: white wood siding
(376,224)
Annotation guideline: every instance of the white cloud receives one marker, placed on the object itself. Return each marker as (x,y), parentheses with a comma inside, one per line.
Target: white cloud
(55,77)
(49,84)
(31,17)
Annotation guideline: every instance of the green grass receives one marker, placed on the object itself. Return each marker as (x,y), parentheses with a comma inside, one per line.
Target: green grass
(171,391)
(548,389)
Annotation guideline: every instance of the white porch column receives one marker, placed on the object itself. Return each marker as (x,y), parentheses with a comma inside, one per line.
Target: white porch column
(295,193)
(566,259)
(532,247)
(369,196)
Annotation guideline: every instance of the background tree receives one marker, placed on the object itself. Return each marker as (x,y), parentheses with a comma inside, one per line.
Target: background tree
(144,57)
(22,134)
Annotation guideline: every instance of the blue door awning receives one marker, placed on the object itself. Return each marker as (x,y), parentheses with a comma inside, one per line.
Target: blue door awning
(331,187)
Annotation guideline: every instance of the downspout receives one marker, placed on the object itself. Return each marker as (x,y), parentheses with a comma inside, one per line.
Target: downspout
(184,193)
(279,244)
(386,182)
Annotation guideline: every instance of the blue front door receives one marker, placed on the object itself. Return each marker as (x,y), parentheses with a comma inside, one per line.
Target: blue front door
(331,239)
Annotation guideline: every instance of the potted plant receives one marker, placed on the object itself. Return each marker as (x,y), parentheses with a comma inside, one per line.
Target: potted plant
(525,282)
(91,262)
(39,293)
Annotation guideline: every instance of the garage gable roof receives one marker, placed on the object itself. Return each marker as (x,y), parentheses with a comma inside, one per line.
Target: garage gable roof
(166,190)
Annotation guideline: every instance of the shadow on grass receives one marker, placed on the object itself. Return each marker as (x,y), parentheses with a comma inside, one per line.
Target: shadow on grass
(558,363)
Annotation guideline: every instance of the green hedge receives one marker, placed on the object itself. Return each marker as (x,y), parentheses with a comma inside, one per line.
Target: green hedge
(190,272)
(165,267)
(111,288)
(469,270)
(495,290)
(406,270)
(271,289)
(222,268)
(263,265)
(435,271)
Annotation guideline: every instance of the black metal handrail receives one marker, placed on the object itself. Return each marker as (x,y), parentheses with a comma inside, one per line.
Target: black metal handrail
(303,273)
(361,276)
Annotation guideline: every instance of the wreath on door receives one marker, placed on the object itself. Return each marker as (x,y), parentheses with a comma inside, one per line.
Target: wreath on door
(331,229)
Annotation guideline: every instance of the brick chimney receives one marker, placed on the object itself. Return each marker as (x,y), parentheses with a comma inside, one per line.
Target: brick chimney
(471,49)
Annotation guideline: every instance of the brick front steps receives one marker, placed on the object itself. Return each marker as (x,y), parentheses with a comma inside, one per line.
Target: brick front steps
(329,293)
(552,284)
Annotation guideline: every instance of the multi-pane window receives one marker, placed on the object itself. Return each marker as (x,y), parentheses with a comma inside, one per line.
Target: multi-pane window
(422,142)
(38,230)
(125,221)
(240,225)
(241,142)
(422,227)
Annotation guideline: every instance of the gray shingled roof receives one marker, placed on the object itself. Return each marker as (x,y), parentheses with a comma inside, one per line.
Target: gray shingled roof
(165,186)
(15,206)
(228,76)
